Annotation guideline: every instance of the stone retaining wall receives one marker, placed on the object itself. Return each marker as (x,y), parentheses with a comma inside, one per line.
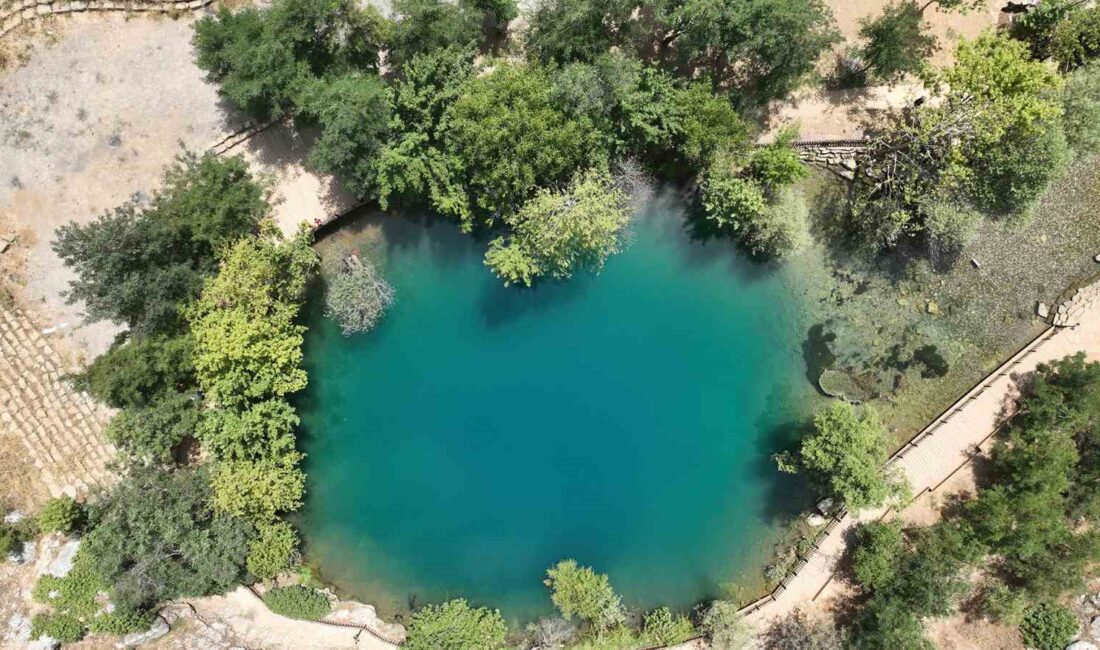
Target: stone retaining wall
(837,156)
(1069,313)
(14,13)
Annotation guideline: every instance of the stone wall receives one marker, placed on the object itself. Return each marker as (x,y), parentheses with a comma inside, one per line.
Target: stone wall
(837,156)
(14,13)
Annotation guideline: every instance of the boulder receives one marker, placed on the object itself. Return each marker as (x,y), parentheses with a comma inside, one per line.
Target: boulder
(159,629)
(43,643)
(63,563)
(825,506)
(815,520)
(1096,258)
(14,517)
(1094,627)
(19,628)
(1081,645)
(1043,310)
(932,308)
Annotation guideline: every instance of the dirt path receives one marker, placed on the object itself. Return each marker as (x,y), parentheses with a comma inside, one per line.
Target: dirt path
(940,450)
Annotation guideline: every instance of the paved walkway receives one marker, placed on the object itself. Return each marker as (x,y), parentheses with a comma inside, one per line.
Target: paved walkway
(938,451)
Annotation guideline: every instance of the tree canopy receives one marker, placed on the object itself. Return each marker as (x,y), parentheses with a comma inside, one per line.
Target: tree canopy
(846,455)
(454,624)
(581,592)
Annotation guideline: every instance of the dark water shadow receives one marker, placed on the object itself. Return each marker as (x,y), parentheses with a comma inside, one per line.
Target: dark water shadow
(681,224)
(786,495)
(501,305)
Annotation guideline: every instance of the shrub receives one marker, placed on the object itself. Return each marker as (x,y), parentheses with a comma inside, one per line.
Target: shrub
(8,540)
(272,551)
(796,632)
(62,627)
(581,592)
(297,601)
(1081,102)
(724,627)
(152,433)
(662,628)
(121,621)
(357,296)
(60,515)
(1076,39)
(875,558)
(1003,604)
(456,626)
(1048,626)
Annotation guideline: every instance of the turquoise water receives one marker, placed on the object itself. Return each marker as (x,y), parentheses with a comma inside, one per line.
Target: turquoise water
(480,434)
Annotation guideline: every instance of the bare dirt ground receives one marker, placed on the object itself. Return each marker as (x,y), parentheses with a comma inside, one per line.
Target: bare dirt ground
(87,123)
(841,114)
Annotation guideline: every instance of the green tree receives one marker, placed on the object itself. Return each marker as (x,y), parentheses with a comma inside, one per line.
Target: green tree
(258,490)
(711,126)
(456,626)
(563,31)
(416,166)
(151,434)
(876,554)
(60,515)
(273,551)
(1036,26)
(60,627)
(993,143)
(1076,38)
(353,112)
(664,629)
(885,623)
(771,228)
(247,344)
(134,372)
(261,59)
(765,47)
(558,233)
(581,592)
(261,430)
(1049,626)
(846,455)
(137,264)
(424,26)
(724,627)
(153,537)
(1081,104)
(896,41)
(510,139)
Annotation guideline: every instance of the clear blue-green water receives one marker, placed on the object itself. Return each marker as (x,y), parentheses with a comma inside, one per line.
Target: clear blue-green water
(480,433)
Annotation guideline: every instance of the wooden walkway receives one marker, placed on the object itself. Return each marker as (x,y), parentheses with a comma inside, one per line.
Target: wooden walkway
(933,456)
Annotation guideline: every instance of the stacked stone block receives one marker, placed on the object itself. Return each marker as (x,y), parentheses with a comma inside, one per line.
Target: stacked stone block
(14,13)
(61,428)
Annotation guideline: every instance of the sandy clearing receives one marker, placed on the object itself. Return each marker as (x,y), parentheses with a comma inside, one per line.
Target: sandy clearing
(89,122)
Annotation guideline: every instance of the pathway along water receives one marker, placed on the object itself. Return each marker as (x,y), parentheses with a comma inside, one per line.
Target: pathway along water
(627,419)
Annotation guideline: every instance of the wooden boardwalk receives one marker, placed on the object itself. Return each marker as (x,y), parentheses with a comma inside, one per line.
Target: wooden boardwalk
(935,454)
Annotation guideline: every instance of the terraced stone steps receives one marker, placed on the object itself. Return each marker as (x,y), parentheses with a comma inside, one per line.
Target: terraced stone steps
(61,429)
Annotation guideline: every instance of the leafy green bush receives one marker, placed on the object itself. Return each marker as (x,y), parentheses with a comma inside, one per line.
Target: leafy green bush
(456,626)
(62,627)
(151,434)
(1003,604)
(724,627)
(1076,38)
(121,621)
(1081,102)
(273,550)
(297,601)
(876,554)
(60,515)
(662,628)
(581,592)
(1048,626)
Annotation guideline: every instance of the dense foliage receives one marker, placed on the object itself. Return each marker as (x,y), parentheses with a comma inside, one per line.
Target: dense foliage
(138,263)
(796,631)
(1048,626)
(581,592)
(845,455)
(60,515)
(455,624)
(1024,525)
(990,146)
(296,601)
